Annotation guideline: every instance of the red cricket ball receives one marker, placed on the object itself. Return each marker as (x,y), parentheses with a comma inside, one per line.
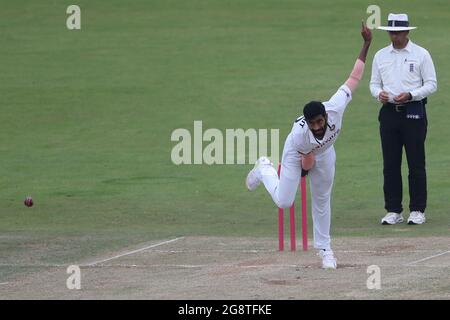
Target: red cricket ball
(28,201)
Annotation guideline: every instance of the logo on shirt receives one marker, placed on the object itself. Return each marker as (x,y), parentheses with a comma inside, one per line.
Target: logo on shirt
(326,142)
(331,127)
(411,67)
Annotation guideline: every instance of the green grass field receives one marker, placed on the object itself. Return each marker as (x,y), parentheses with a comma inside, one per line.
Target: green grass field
(86,117)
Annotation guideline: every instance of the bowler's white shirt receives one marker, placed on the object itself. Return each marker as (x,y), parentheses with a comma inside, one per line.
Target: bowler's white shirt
(409,69)
(302,140)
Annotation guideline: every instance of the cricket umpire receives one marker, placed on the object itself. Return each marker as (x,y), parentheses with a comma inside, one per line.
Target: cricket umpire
(403,76)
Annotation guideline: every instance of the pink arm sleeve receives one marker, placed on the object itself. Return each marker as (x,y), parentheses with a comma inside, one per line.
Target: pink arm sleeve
(356,75)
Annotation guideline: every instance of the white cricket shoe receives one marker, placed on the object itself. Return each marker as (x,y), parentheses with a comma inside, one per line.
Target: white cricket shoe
(254,177)
(392,218)
(328,259)
(416,217)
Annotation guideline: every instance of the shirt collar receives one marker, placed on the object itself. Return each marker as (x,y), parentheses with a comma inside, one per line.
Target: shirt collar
(407,48)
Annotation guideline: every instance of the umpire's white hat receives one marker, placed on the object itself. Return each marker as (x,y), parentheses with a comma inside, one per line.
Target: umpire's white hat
(397,22)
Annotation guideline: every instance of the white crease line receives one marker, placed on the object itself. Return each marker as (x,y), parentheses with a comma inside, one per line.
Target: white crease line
(192,266)
(428,258)
(381,251)
(188,266)
(214,251)
(33,266)
(131,252)
(275,251)
(99,265)
(3,283)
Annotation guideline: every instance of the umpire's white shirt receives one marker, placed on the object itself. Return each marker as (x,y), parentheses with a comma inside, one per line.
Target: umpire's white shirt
(409,69)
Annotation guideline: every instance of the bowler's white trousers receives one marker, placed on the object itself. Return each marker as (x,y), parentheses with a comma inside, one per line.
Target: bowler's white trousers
(321,177)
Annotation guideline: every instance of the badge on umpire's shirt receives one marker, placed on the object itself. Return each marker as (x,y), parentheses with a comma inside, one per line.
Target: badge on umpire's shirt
(411,67)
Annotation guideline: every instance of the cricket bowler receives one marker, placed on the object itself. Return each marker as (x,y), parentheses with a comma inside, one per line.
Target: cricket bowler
(309,150)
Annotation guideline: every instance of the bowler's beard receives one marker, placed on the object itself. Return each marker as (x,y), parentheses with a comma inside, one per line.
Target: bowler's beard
(319,134)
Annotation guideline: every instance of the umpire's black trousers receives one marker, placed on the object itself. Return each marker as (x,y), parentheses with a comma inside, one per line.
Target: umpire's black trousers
(397,132)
